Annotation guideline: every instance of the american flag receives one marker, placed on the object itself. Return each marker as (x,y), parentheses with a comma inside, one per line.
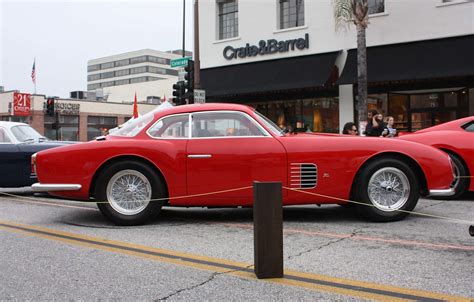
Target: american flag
(33,72)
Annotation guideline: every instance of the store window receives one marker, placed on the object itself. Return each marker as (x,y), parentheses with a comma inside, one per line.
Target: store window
(307,115)
(99,125)
(291,13)
(228,19)
(376,6)
(18,119)
(397,108)
(66,128)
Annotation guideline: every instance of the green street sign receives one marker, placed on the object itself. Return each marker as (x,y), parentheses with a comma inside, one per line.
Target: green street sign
(180,62)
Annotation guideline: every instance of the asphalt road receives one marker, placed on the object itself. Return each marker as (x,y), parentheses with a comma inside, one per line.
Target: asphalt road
(61,250)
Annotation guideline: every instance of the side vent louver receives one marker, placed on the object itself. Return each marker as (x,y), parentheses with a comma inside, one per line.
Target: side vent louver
(303,176)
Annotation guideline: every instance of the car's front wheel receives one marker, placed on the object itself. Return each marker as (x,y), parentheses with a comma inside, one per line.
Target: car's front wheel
(387,190)
(127,193)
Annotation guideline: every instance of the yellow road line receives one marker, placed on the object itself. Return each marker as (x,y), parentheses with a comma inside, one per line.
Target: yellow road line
(341,286)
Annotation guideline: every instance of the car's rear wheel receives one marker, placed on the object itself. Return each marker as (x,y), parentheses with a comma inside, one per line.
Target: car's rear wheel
(127,192)
(388,189)
(461,182)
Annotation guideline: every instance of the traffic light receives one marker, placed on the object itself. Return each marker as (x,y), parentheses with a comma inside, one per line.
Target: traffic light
(189,85)
(178,93)
(50,107)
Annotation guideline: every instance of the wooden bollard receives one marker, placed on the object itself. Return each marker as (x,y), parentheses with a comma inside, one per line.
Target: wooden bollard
(268,229)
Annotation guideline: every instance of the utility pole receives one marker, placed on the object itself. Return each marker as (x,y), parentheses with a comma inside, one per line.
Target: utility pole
(184,24)
(197,63)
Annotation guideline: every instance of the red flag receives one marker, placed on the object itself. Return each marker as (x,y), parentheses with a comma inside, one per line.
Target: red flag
(164,98)
(135,107)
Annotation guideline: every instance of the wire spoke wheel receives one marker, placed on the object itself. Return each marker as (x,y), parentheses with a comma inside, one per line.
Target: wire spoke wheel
(388,189)
(129,192)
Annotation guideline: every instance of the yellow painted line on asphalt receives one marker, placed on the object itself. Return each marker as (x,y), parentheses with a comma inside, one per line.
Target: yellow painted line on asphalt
(333,285)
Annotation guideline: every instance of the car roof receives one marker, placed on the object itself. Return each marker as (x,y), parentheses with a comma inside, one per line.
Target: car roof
(7,124)
(451,125)
(205,107)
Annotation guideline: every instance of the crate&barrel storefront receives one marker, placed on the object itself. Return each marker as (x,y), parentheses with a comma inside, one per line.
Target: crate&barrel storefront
(420,84)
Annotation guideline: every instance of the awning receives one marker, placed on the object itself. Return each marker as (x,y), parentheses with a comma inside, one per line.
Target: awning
(441,58)
(281,74)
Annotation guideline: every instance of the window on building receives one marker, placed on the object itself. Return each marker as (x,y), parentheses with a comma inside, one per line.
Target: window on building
(122,82)
(138,80)
(376,6)
(137,60)
(93,67)
(228,19)
(107,75)
(291,13)
(158,60)
(122,72)
(93,86)
(123,62)
(93,77)
(138,70)
(158,70)
(107,65)
(99,125)
(108,84)
(153,79)
(172,72)
(67,130)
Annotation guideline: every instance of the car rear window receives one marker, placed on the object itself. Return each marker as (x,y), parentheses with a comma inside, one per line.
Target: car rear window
(469,126)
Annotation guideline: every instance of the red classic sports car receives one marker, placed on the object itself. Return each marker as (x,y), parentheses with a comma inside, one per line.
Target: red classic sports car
(172,157)
(457,139)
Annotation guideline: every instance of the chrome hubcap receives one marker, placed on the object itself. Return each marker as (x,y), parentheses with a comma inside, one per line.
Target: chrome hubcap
(388,189)
(129,192)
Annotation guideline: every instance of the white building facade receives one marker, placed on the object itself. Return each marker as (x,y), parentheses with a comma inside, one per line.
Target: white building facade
(145,72)
(286,58)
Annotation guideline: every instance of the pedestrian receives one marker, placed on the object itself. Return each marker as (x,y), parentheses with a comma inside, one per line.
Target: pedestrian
(375,124)
(390,130)
(349,128)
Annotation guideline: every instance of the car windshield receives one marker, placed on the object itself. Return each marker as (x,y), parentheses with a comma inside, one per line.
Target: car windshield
(134,126)
(24,133)
(269,124)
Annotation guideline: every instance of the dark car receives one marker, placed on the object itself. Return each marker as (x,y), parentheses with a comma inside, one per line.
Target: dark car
(18,141)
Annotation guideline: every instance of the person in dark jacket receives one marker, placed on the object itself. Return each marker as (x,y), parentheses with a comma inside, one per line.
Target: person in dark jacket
(375,124)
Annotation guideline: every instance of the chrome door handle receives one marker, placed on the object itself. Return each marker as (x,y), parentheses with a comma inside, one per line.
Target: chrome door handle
(200,156)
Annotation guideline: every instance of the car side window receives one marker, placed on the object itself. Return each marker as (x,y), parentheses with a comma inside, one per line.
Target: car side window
(176,126)
(4,136)
(223,124)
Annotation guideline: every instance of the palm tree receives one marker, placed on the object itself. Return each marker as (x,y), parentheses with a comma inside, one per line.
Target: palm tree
(356,11)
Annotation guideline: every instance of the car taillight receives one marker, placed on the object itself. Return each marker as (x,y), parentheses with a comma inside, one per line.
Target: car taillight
(33,164)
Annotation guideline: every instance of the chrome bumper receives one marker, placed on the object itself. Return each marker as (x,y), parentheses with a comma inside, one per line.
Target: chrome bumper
(441,193)
(38,187)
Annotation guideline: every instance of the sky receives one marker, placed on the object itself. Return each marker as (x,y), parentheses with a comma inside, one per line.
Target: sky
(64,34)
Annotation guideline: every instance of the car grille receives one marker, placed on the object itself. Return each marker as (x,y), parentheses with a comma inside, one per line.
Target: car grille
(303,176)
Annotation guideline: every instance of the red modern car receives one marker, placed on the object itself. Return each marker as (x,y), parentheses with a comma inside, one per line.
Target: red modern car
(174,156)
(457,139)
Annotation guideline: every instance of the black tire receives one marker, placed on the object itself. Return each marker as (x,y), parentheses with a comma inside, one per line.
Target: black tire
(113,210)
(461,184)
(375,211)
